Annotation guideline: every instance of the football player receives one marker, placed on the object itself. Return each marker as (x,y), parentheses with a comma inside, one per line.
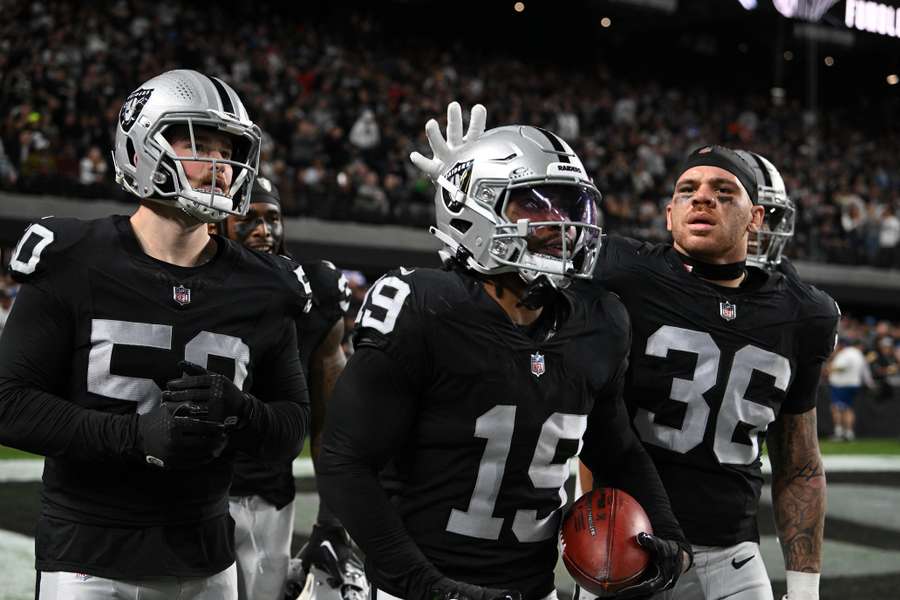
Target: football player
(142,353)
(720,354)
(728,351)
(765,246)
(472,386)
(262,493)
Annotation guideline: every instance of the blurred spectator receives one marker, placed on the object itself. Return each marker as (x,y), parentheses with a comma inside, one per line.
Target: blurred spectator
(847,372)
(92,168)
(885,367)
(889,239)
(365,134)
(8,173)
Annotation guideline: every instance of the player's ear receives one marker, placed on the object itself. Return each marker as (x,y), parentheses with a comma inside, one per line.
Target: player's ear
(757,213)
(669,216)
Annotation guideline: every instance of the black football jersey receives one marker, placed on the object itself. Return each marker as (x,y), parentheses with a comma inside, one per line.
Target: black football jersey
(126,321)
(330,294)
(710,368)
(501,408)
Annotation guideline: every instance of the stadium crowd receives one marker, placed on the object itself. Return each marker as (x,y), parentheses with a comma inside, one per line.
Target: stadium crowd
(342,108)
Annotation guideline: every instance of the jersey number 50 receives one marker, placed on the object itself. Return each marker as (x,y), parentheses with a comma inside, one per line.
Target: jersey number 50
(735,408)
(107,333)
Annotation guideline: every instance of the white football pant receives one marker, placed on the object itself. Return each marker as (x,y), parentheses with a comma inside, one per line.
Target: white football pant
(262,546)
(60,585)
(719,573)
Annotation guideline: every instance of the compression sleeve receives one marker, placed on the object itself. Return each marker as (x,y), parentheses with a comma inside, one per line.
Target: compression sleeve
(370,416)
(281,414)
(35,355)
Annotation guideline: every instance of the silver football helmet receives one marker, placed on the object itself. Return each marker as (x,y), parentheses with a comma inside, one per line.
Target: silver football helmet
(519,200)
(765,247)
(147,166)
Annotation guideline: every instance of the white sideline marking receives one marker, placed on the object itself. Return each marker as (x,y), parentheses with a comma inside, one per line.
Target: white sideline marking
(30,469)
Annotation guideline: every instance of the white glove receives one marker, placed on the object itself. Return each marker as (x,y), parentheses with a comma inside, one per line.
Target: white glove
(446,152)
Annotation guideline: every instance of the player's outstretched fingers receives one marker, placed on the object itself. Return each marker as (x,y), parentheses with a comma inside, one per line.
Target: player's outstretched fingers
(436,140)
(477,120)
(426,165)
(454,125)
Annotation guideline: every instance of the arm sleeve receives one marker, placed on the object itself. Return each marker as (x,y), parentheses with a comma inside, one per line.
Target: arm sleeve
(35,358)
(281,412)
(616,457)
(370,417)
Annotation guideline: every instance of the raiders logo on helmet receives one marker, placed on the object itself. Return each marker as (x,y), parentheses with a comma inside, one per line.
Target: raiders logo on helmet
(133,106)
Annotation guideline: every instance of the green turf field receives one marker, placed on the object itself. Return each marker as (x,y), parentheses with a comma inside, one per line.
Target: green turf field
(865,446)
(13,453)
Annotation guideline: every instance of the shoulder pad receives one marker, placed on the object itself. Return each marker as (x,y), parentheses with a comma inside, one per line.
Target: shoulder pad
(330,289)
(385,300)
(44,245)
(297,281)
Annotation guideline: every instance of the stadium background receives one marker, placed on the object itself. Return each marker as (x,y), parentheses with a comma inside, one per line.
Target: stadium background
(343,90)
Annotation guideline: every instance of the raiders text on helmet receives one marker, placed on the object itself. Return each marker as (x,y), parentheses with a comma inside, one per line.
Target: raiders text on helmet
(519,200)
(766,246)
(147,166)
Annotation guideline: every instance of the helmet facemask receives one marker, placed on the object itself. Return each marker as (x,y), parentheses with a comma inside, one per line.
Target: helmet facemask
(170,178)
(548,229)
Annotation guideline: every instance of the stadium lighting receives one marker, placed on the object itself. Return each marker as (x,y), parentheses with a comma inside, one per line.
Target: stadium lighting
(893,79)
(519,7)
(605,22)
(748,4)
(788,55)
(829,61)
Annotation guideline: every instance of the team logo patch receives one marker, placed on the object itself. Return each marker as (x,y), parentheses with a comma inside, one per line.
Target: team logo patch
(181,295)
(538,366)
(133,106)
(460,176)
(727,310)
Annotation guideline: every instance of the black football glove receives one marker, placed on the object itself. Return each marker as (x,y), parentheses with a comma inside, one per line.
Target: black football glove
(178,435)
(450,589)
(329,555)
(228,405)
(666,566)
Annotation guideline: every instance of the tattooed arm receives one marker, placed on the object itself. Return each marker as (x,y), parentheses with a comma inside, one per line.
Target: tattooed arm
(798,493)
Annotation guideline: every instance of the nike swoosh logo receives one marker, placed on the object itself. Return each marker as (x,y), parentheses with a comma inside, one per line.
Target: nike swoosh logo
(737,564)
(327,545)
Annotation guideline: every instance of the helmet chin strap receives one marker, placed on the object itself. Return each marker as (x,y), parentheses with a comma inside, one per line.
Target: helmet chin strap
(539,292)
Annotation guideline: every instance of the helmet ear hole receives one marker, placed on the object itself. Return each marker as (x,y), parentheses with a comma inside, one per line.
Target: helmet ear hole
(460,225)
(132,155)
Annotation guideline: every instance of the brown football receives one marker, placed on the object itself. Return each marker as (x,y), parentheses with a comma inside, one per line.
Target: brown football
(599,543)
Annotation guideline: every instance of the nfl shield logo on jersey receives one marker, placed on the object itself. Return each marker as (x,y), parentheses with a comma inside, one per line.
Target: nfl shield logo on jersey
(181,294)
(537,364)
(727,310)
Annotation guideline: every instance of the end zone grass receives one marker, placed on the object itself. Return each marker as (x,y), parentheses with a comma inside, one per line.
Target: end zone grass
(13,453)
